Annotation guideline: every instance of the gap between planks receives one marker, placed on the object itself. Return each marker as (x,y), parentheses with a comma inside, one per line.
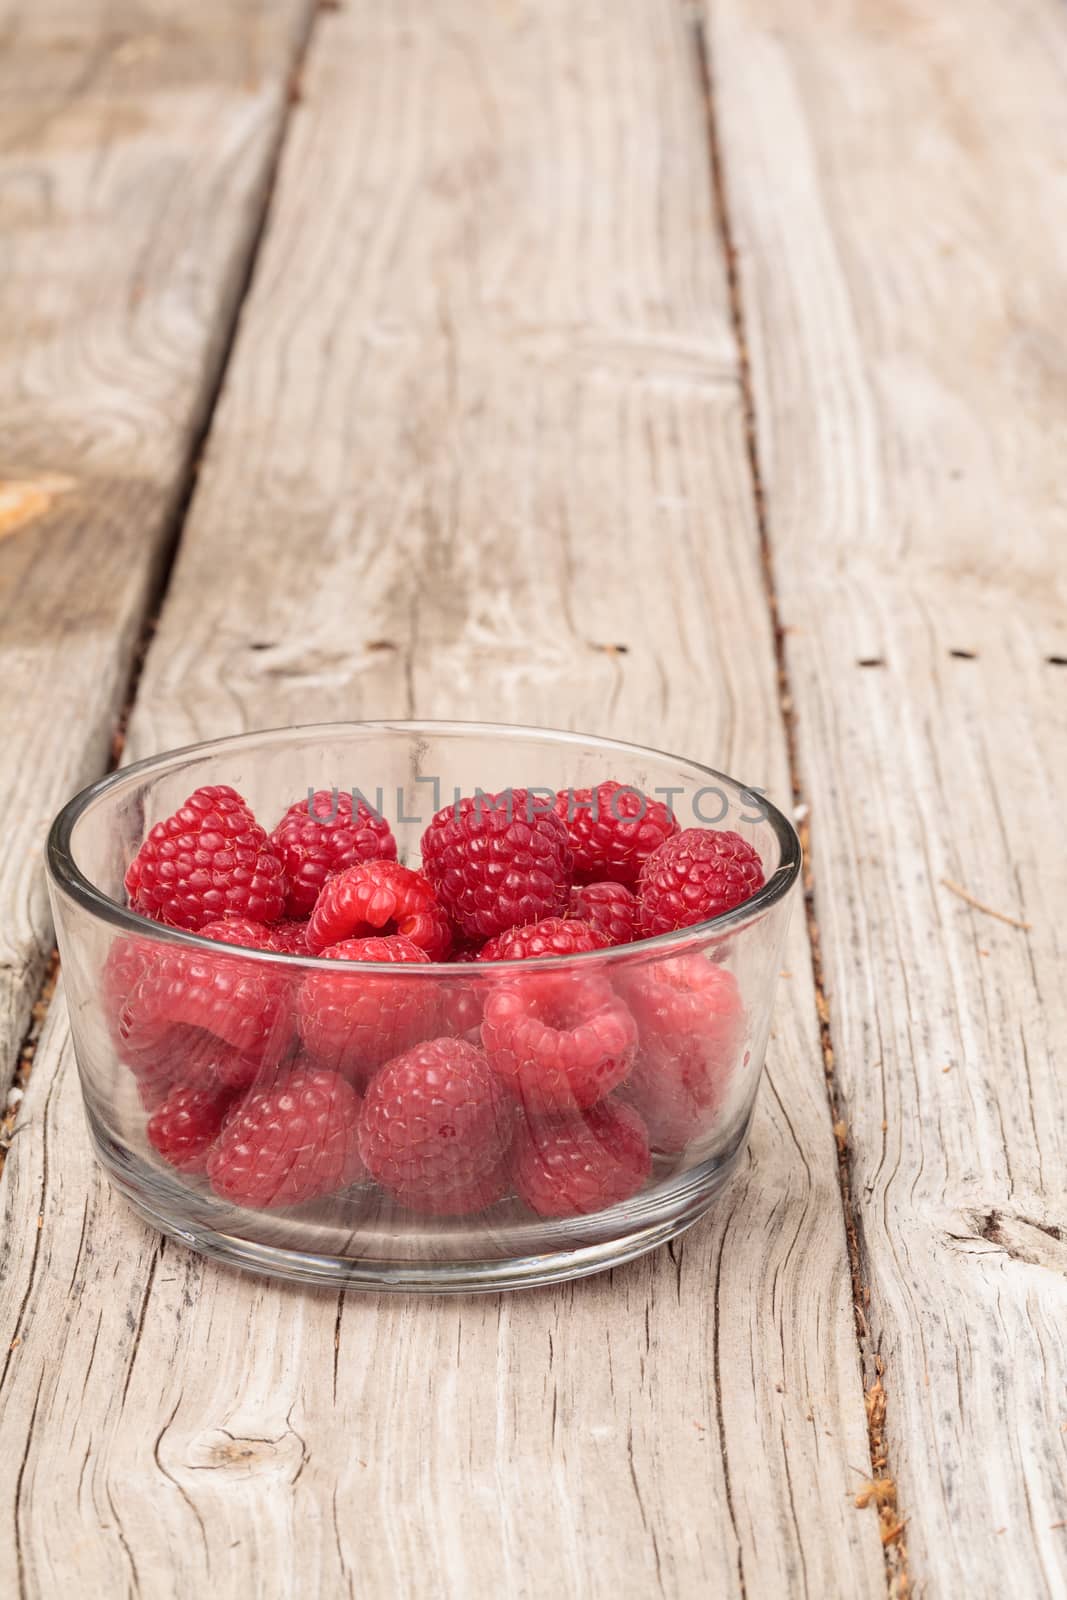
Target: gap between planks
(22,1062)
(881,1489)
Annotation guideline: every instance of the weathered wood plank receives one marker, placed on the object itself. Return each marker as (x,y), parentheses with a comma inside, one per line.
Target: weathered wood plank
(135,141)
(895,178)
(483,419)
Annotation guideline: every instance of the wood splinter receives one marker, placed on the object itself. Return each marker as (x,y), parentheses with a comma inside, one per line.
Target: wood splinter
(980,905)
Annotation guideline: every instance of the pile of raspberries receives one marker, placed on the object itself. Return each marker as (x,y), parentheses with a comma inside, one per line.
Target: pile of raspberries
(278,1084)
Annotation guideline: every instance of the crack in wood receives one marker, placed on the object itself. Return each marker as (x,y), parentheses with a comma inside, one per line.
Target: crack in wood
(892,1524)
(167,554)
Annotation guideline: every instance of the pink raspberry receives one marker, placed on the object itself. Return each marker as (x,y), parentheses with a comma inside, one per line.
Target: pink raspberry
(211,858)
(352,1022)
(186,1125)
(436,1120)
(245,1005)
(164,1055)
(317,839)
(461,1007)
(697,874)
(379,897)
(551,937)
(691,1023)
(610,908)
(571,1165)
(613,829)
(559,1041)
(498,861)
(465,1200)
(123,969)
(295,1141)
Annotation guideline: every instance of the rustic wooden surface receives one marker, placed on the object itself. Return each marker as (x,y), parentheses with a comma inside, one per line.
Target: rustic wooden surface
(135,145)
(913,313)
(574,325)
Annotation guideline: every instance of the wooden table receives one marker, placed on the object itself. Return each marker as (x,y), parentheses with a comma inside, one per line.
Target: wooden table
(695,373)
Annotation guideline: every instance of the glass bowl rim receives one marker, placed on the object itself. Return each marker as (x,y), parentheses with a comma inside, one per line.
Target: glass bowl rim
(69,878)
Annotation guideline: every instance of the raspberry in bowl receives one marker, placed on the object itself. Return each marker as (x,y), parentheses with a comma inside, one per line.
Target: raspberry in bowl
(486,1008)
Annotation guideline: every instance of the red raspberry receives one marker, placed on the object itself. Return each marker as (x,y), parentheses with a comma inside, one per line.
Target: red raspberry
(240,931)
(243,1004)
(612,830)
(696,875)
(462,1201)
(611,908)
(380,897)
(289,938)
(559,1041)
(209,859)
(295,1141)
(313,851)
(569,1166)
(122,971)
(186,1058)
(691,1022)
(286,938)
(497,861)
(435,1120)
(552,937)
(461,1006)
(163,1056)
(353,1021)
(186,1125)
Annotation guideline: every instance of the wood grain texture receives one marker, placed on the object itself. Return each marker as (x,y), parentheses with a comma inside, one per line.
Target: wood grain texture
(483,419)
(135,140)
(895,180)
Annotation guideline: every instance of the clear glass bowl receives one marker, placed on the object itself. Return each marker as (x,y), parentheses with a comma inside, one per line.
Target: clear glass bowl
(694,1006)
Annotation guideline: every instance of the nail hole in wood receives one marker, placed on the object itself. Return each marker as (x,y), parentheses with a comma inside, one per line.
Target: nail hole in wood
(1056,661)
(610,649)
(964,655)
(870,661)
(262,644)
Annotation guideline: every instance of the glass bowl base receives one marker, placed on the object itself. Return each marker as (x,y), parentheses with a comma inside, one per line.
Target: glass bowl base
(456,1258)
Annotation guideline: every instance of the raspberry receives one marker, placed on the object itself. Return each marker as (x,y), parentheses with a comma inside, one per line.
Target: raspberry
(462,1201)
(242,1004)
(352,1021)
(186,1125)
(610,908)
(436,1120)
(161,1056)
(696,875)
(240,931)
(691,1023)
(295,1141)
(461,1007)
(569,1166)
(497,861)
(380,897)
(560,1042)
(319,837)
(210,858)
(122,971)
(552,937)
(612,830)
(187,1058)
(287,937)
